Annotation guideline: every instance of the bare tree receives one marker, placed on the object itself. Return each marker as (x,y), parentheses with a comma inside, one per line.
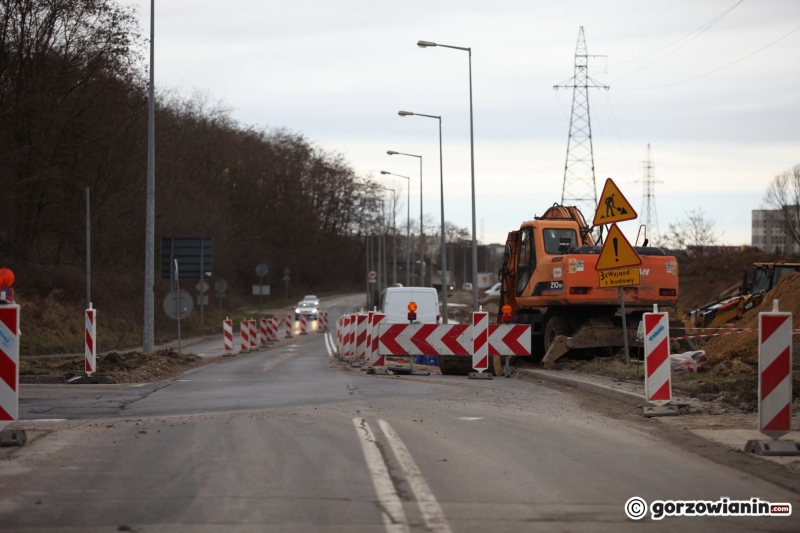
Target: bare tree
(694,231)
(783,195)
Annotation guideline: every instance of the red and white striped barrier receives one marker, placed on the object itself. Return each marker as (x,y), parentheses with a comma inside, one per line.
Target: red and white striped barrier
(480,341)
(254,327)
(227,335)
(244,332)
(303,324)
(375,320)
(775,372)
(324,316)
(264,336)
(90,344)
(350,337)
(9,364)
(450,339)
(289,324)
(657,371)
(509,339)
(274,322)
(361,337)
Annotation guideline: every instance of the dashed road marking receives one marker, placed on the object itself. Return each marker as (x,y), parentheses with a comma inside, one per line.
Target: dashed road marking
(470,418)
(430,509)
(394,517)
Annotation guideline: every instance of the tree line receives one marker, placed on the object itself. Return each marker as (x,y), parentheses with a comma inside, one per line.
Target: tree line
(73,114)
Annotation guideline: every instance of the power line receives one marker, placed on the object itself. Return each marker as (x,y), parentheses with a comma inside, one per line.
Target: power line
(703,27)
(708,26)
(712,71)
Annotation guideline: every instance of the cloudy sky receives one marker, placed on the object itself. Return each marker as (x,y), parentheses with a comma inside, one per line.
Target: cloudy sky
(705,83)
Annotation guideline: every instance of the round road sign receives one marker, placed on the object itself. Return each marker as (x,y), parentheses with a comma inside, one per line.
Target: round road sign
(372,275)
(220,285)
(261,270)
(171,304)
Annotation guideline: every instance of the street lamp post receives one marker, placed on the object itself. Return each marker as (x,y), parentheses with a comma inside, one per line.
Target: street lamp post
(426,44)
(441,191)
(394,229)
(421,229)
(408,219)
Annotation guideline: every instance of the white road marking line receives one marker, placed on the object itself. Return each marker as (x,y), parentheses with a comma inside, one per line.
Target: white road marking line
(428,506)
(328,346)
(394,517)
(37,420)
(470,418)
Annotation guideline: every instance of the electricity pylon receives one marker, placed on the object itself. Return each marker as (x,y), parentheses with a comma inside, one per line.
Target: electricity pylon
(579,183)
(649,212)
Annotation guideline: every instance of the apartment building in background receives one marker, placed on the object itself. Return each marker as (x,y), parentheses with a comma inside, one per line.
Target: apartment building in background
(767,233)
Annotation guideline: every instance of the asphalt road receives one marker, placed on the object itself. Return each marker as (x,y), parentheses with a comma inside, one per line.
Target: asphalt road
(288,439)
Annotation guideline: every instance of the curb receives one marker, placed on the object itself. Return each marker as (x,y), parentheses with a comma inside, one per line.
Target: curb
(597,388)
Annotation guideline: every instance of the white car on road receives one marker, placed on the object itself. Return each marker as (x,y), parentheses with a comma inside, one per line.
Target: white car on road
(495,290)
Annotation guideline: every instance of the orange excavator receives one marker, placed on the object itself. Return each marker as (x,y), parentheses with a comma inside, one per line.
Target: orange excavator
(549,281)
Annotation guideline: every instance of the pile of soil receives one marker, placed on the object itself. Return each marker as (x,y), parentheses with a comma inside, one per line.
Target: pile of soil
(705,278)
(744,347)
(127,367)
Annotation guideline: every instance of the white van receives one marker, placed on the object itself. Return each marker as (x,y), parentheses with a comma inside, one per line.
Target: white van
(395,300)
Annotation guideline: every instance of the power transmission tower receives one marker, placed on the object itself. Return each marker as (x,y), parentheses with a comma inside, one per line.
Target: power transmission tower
(579,184)
(649,195)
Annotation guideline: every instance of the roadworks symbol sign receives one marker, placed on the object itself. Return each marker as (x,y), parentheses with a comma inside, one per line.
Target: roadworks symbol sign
(617,252)
(612,207)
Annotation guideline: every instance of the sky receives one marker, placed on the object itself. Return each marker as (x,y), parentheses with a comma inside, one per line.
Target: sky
(704,83)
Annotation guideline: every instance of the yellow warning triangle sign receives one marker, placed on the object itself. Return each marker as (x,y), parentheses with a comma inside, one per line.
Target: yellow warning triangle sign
(612,207)
(617,252)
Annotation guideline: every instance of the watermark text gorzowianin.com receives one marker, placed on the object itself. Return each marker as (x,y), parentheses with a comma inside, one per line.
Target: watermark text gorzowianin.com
(636,508)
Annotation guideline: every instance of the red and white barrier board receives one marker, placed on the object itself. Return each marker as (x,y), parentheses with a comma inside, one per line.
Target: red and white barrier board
(303,324)
(264,336)
(361,337)
(289,324)
(90,344)
(227,335)
(480,341)
(375,320)
(244,332)
(274,323)
(9,364)
(509,339)
(657,370)
(775,372)
(450,339)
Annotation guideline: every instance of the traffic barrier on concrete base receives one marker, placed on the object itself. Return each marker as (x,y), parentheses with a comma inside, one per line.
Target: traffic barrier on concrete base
(325,320)
(289,324)
(244,332)
(9,364)
(303,324)
(775,372)
(774,384)
(274,328)
(90,345)
(264,336)
(227,336)
(657,371)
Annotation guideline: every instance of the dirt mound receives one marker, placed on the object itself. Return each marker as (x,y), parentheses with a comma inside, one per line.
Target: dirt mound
(744,346)
(705,278)
(128,367)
